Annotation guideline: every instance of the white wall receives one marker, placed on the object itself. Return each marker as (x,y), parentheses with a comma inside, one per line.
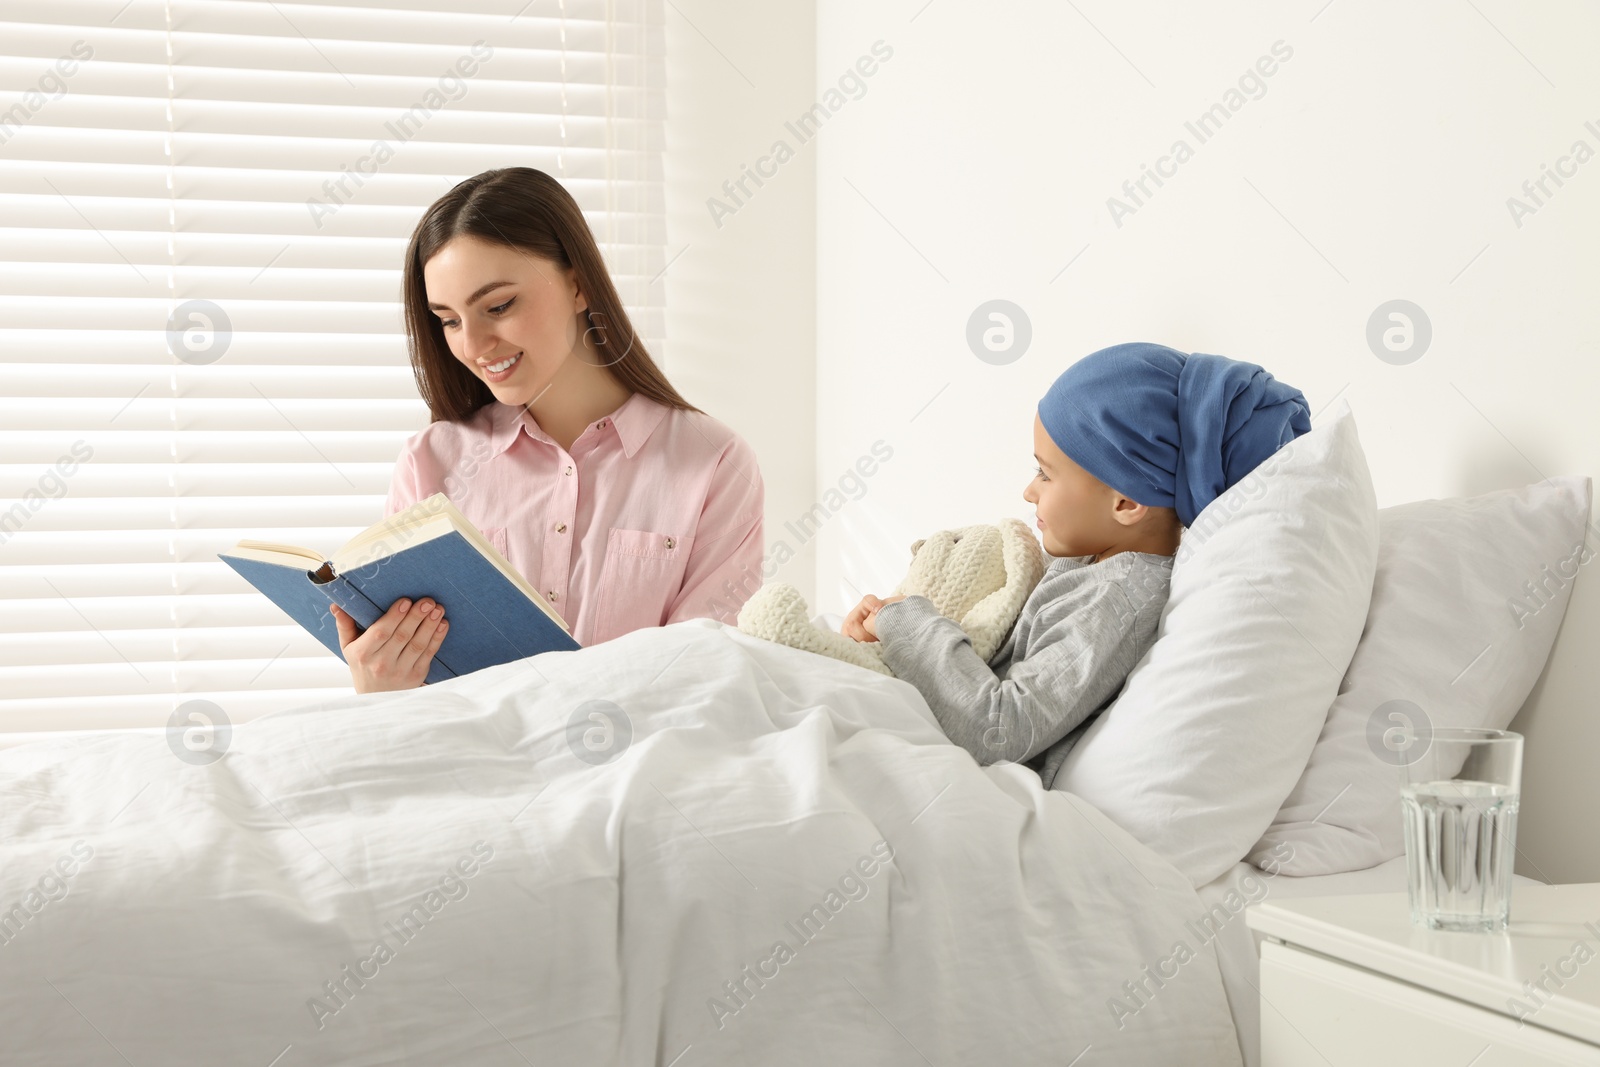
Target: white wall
(1376,166)
(741,299)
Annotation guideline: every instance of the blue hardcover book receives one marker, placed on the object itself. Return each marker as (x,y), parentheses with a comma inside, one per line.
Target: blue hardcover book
(428,550)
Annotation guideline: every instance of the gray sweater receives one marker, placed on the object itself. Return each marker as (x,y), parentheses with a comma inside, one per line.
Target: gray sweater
(1081,631)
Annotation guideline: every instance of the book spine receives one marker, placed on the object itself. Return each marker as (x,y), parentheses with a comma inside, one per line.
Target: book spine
(344,592)
(340,591)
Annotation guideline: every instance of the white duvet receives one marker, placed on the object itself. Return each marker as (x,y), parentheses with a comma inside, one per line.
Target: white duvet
(739,853)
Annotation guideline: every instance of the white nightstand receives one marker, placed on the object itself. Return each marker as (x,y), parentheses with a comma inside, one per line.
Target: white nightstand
(1349,980)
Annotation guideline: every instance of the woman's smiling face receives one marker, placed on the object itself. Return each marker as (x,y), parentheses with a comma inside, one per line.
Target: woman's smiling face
(511,317)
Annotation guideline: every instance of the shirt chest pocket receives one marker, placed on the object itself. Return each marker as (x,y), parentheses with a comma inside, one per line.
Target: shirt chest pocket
(496,536)
(642,574)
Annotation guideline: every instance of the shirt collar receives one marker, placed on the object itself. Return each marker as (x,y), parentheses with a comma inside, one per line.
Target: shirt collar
(632,422)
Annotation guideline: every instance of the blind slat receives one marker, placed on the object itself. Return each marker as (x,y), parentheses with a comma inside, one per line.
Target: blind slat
(30,548)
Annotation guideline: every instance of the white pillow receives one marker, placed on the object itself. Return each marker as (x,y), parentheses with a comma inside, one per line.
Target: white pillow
(1454,638)
(1216,722)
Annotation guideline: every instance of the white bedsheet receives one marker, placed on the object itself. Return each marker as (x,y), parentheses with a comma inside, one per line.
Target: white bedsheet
(588,914)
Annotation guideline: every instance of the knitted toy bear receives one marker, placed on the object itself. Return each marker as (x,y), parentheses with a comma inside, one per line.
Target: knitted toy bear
(980,576)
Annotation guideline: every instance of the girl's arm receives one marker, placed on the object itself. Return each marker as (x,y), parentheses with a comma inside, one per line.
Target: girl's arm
(1080,659)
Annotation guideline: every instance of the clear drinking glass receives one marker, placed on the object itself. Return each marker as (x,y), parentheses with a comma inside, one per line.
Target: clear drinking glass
(1459,803)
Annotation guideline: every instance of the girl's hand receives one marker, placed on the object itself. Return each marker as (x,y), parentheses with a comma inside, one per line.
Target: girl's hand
(853,627)
(862,622)
(396,651)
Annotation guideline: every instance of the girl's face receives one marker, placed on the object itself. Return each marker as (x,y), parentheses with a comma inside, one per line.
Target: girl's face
(513,318)
(1075,509)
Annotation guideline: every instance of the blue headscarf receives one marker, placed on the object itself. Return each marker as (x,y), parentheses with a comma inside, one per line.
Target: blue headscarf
(1168,429)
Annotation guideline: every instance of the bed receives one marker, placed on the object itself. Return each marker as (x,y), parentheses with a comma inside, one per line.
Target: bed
(752,854)
(691,846)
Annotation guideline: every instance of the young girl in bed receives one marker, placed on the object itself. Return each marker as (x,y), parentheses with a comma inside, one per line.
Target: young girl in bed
(1132,443)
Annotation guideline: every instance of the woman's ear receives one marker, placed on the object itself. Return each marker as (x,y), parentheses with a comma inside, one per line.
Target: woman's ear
(580,303)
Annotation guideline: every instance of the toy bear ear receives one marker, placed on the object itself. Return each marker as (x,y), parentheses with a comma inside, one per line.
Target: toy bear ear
(916,546)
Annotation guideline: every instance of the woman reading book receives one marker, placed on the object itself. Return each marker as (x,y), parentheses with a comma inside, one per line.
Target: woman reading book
(555,433)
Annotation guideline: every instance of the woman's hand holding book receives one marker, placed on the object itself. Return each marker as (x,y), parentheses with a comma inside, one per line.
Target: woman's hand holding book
(396,651)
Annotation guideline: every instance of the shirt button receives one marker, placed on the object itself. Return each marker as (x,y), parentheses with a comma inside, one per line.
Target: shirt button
(551,596)
(561,527)
(671,541)
(602,424)
(568,471)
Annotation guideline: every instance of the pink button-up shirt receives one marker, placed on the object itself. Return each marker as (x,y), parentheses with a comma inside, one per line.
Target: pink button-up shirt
(654,516)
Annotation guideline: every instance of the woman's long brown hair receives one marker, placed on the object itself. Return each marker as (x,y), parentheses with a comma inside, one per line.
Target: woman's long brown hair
(525,209)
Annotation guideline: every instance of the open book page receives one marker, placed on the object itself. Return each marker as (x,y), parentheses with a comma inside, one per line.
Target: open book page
(382,539)
(282,555)
(424,521)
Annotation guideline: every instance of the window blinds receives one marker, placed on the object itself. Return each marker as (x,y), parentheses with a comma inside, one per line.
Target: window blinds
(203,209)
